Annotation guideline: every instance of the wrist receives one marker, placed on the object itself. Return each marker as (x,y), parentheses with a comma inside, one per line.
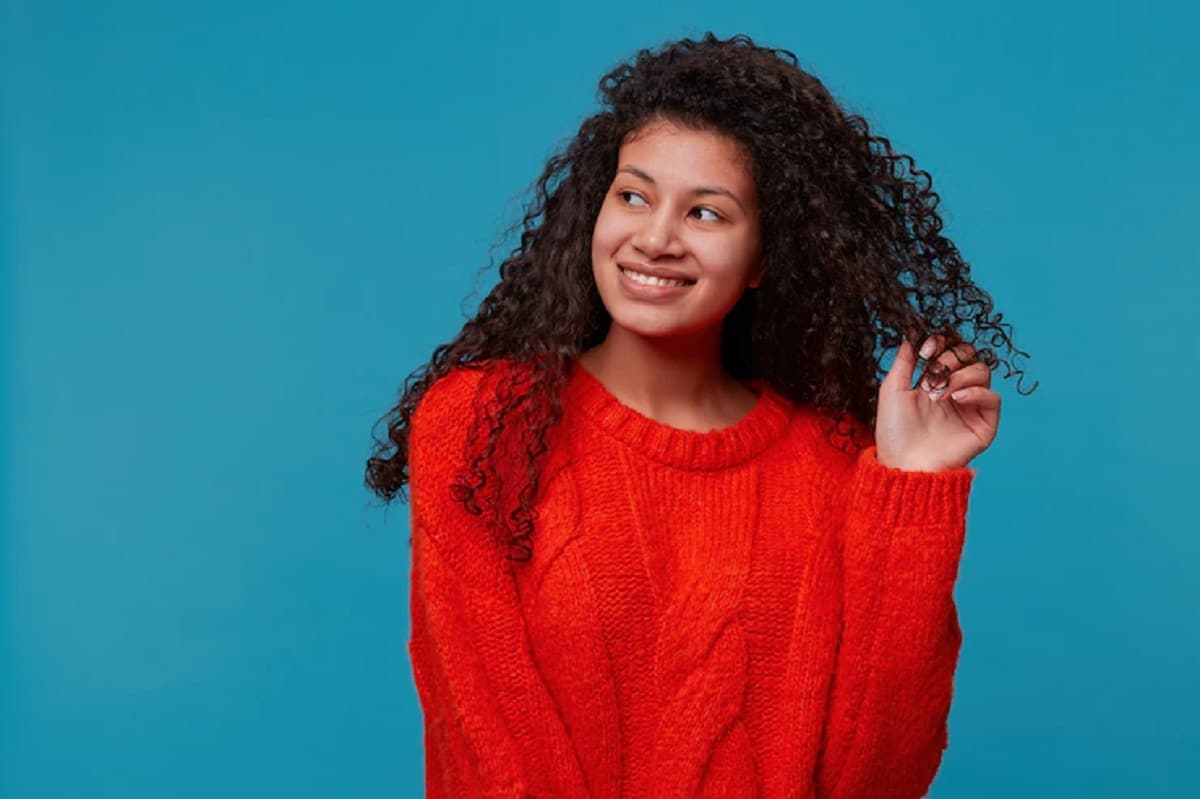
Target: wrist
(914,464)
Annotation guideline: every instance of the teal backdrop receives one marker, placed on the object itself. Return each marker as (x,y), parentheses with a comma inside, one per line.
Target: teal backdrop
(229,230)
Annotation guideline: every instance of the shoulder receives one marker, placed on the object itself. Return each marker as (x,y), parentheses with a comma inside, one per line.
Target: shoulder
(450,394)
(456,444)
(468,410)
(835,441)
(453,400)
(439,426)
(439,461)
(445,424)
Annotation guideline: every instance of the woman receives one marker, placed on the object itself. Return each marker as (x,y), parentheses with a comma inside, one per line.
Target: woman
(672,535)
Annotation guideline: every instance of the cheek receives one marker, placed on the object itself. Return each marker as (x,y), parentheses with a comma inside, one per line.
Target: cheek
(605,233)
(727,257)
(607,236)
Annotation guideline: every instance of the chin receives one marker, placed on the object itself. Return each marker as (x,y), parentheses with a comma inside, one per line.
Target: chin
(654,324)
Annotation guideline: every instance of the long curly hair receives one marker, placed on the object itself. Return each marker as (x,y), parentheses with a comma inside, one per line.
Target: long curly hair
(855,262)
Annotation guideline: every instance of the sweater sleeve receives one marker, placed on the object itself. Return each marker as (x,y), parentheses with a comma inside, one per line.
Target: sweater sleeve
(490,726)
(901,538)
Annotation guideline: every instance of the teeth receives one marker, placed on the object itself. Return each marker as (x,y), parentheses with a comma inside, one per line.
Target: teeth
(652,281)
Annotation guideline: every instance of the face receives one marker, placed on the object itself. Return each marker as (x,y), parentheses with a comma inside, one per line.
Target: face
(682,202)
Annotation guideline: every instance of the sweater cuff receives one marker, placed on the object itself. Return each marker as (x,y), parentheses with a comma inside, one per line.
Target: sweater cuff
(895,497)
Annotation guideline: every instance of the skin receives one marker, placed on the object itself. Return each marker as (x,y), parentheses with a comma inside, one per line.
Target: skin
(926,430)
(662,358)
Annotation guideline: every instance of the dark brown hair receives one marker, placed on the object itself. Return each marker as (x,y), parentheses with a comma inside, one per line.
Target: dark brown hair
(855,260)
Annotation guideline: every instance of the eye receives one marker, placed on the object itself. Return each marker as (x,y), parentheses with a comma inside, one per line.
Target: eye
(624,192)
(711,211)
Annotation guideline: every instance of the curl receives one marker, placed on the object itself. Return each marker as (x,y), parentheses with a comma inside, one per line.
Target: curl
(851,234)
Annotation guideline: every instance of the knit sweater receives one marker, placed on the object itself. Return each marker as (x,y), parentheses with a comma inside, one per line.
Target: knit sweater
(743,612)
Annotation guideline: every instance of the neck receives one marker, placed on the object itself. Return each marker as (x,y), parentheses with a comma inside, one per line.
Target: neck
(667,377)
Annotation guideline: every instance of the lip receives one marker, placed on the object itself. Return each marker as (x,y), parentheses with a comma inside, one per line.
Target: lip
(644,292)
(656,271)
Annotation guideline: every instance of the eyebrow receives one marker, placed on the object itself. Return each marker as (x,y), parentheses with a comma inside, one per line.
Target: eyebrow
(699,190)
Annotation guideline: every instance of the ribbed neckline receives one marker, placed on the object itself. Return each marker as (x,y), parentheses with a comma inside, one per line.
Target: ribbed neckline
(762,426)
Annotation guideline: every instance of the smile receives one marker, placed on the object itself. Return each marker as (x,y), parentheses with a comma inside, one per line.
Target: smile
(649,280)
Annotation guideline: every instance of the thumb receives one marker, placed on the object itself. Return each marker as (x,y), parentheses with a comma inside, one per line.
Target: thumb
(900,375)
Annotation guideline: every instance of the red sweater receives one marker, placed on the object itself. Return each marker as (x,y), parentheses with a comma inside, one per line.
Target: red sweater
(745,612)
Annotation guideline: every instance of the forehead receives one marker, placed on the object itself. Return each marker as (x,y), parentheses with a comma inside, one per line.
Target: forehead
(682,157)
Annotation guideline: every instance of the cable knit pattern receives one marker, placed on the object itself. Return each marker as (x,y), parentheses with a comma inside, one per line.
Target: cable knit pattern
(745,612)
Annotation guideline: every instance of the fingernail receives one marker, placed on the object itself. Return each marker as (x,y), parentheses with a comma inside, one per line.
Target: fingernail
(927,348)
(962,392)
(937,393)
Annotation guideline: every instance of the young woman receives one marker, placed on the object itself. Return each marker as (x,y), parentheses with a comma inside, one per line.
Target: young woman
(672,534)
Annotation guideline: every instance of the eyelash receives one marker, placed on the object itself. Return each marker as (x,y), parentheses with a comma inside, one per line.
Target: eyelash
(719,217)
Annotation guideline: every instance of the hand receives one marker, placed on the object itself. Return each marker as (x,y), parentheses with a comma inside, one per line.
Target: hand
(917,430)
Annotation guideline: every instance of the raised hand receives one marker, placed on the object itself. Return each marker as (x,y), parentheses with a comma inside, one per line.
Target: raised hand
(917,429)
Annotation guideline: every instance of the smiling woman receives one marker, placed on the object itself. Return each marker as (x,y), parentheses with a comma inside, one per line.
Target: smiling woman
(748,533)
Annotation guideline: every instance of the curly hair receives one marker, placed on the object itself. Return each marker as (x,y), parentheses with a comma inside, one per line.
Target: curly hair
(849,230)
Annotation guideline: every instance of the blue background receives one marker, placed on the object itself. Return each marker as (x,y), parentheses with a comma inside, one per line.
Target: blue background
(229,231)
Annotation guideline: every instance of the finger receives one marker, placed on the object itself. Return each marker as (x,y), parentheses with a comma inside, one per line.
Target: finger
(932,346)
(978,397)
(958,356)
(977,374)
(900,375)
(952,359)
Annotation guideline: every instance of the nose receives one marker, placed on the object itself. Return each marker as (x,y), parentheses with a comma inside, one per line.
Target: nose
(657,235)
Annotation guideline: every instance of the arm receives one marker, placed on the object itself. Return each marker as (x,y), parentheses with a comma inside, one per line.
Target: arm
(901,539)
(491,727)
(469,750)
